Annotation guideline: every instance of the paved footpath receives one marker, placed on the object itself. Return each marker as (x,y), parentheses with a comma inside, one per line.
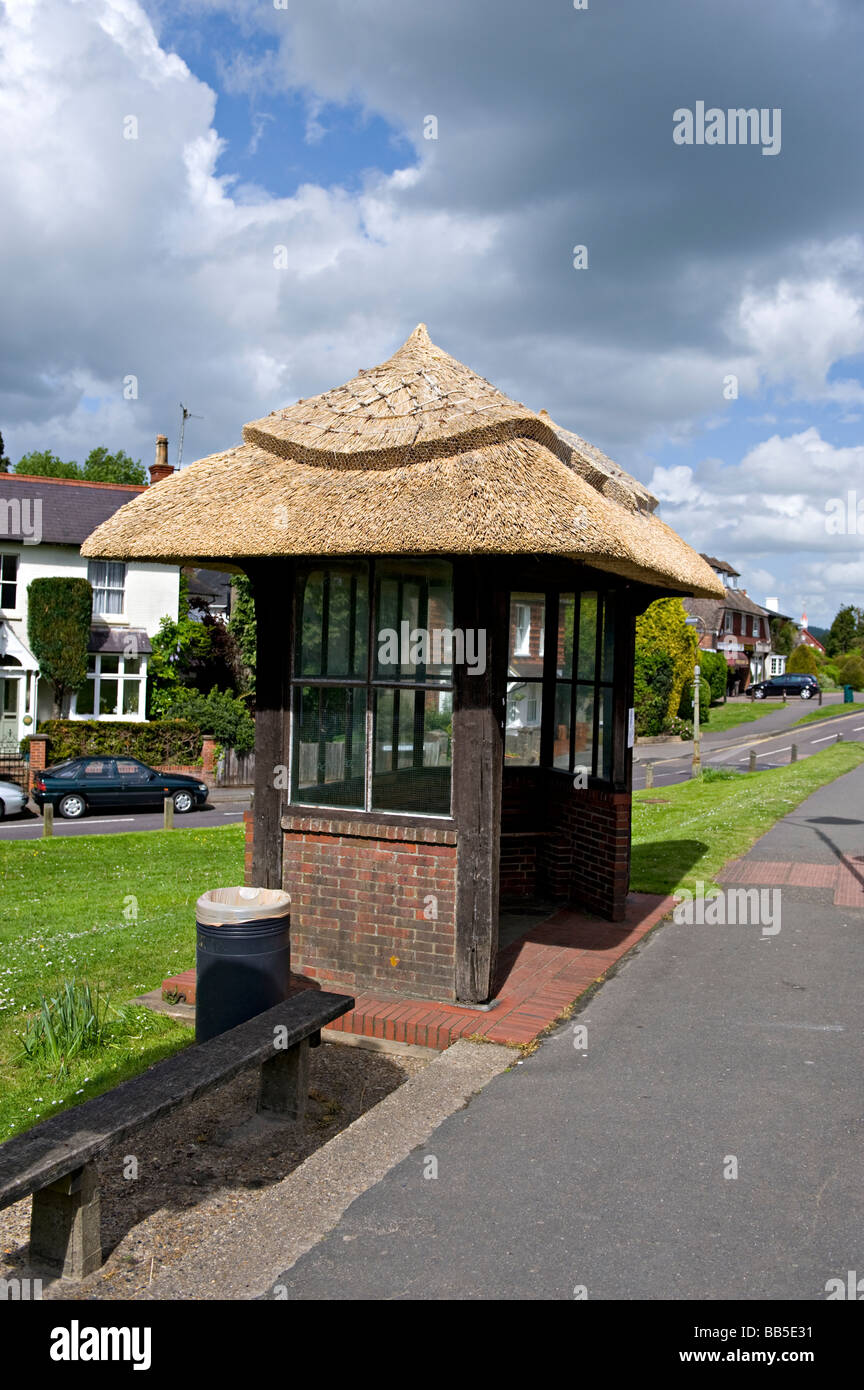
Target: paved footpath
(603,1166)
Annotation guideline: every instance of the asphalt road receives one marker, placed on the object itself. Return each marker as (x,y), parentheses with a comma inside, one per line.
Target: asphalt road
(771,737)
(29,825)
(610,1167)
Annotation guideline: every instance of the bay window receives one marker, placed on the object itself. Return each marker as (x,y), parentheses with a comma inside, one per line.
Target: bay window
(114,686)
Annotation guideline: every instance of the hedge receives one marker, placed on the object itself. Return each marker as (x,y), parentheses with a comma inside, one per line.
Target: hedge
(161,741)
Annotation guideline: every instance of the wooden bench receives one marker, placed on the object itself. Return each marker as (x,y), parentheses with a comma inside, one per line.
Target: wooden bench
(54,1160)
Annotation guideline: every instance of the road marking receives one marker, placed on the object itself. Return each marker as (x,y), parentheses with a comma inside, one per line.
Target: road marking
(823,740)
(232,813)
(858,728)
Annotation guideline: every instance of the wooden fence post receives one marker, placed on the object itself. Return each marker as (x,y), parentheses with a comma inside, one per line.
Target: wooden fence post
(168,817)
(47,820)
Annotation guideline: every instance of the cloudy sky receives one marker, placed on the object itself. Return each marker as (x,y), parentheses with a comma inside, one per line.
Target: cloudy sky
(156,153)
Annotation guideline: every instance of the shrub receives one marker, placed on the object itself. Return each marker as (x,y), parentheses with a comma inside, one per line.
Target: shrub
(653,677)
(680,727)
(163,741)
(802,661)
(850,670)
(715,673)
(220,713)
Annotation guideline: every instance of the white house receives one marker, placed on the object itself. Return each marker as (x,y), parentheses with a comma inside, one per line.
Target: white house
(43,522)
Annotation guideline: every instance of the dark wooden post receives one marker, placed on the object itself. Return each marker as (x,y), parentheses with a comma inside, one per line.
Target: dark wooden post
(478,755)
(273,588)
(622,697)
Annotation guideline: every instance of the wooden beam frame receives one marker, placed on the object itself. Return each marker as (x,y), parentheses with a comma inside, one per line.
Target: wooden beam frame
(478,756)
(273,590)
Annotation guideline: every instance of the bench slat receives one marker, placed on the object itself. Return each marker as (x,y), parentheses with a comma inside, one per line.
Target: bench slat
(75,1136)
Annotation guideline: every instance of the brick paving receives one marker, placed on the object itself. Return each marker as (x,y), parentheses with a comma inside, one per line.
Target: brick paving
(845,878)
(539,975)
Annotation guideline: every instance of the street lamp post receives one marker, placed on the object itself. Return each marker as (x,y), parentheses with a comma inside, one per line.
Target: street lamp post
(699,624)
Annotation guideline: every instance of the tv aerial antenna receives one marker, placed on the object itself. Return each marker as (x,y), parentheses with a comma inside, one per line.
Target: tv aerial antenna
(184,416)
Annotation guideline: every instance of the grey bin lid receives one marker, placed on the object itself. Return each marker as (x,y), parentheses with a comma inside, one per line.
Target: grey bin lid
(223,907)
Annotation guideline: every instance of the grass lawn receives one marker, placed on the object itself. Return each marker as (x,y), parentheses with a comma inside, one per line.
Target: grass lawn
(63,904)
(814,714)
(697,826)
(724,717)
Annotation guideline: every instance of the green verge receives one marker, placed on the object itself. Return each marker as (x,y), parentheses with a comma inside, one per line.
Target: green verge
(69,910)
(684,834)
(722,717)
(815,714)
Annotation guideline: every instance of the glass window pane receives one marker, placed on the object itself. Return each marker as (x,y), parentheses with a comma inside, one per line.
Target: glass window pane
(131,697)
(587,636)
(107,696)
(415,640)
(583,729)
(413,751)
(347,623)
(522,732)
(566,618)
(329,746)
(334,622)
(527,628)
(311,625)
(84,698)
(604,736)
(561,744)
(110,665)
(132,665)
(608,639)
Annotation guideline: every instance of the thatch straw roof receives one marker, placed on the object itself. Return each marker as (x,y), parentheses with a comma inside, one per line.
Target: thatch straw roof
(418,456)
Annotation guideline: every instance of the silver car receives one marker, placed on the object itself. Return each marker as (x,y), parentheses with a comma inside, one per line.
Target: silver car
(13,799)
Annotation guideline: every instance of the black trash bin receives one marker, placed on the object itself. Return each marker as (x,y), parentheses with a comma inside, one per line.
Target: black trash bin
(242,956)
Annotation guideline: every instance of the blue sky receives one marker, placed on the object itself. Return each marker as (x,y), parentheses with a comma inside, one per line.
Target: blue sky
(152,258)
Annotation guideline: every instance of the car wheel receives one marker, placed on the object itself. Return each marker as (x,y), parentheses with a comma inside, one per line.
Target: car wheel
(806,693)
(759,694)
(2,810)
(183,802)
(72,806)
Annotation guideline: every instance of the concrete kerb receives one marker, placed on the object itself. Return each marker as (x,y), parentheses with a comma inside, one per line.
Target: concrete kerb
(242,1259)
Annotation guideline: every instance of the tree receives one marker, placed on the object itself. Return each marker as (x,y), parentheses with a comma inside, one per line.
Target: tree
(845,631)
(663,627)
(43,464)
(803,661)
(783,634)
(58,626)
(179,648)
(102,467)
(242,626)
(4,461)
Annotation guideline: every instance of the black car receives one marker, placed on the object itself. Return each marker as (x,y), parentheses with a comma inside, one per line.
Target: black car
(86,784)
(805,687)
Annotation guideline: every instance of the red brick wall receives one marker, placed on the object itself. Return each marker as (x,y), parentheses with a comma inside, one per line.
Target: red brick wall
(357,905)
(582,853)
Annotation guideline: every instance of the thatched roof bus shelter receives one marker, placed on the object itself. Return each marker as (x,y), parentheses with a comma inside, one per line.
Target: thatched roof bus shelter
(446,585)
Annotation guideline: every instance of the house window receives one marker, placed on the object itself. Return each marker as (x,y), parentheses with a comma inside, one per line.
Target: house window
(755,627)
(8,581)
(114,688)
(372,687)
(728,621)
(108,578)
